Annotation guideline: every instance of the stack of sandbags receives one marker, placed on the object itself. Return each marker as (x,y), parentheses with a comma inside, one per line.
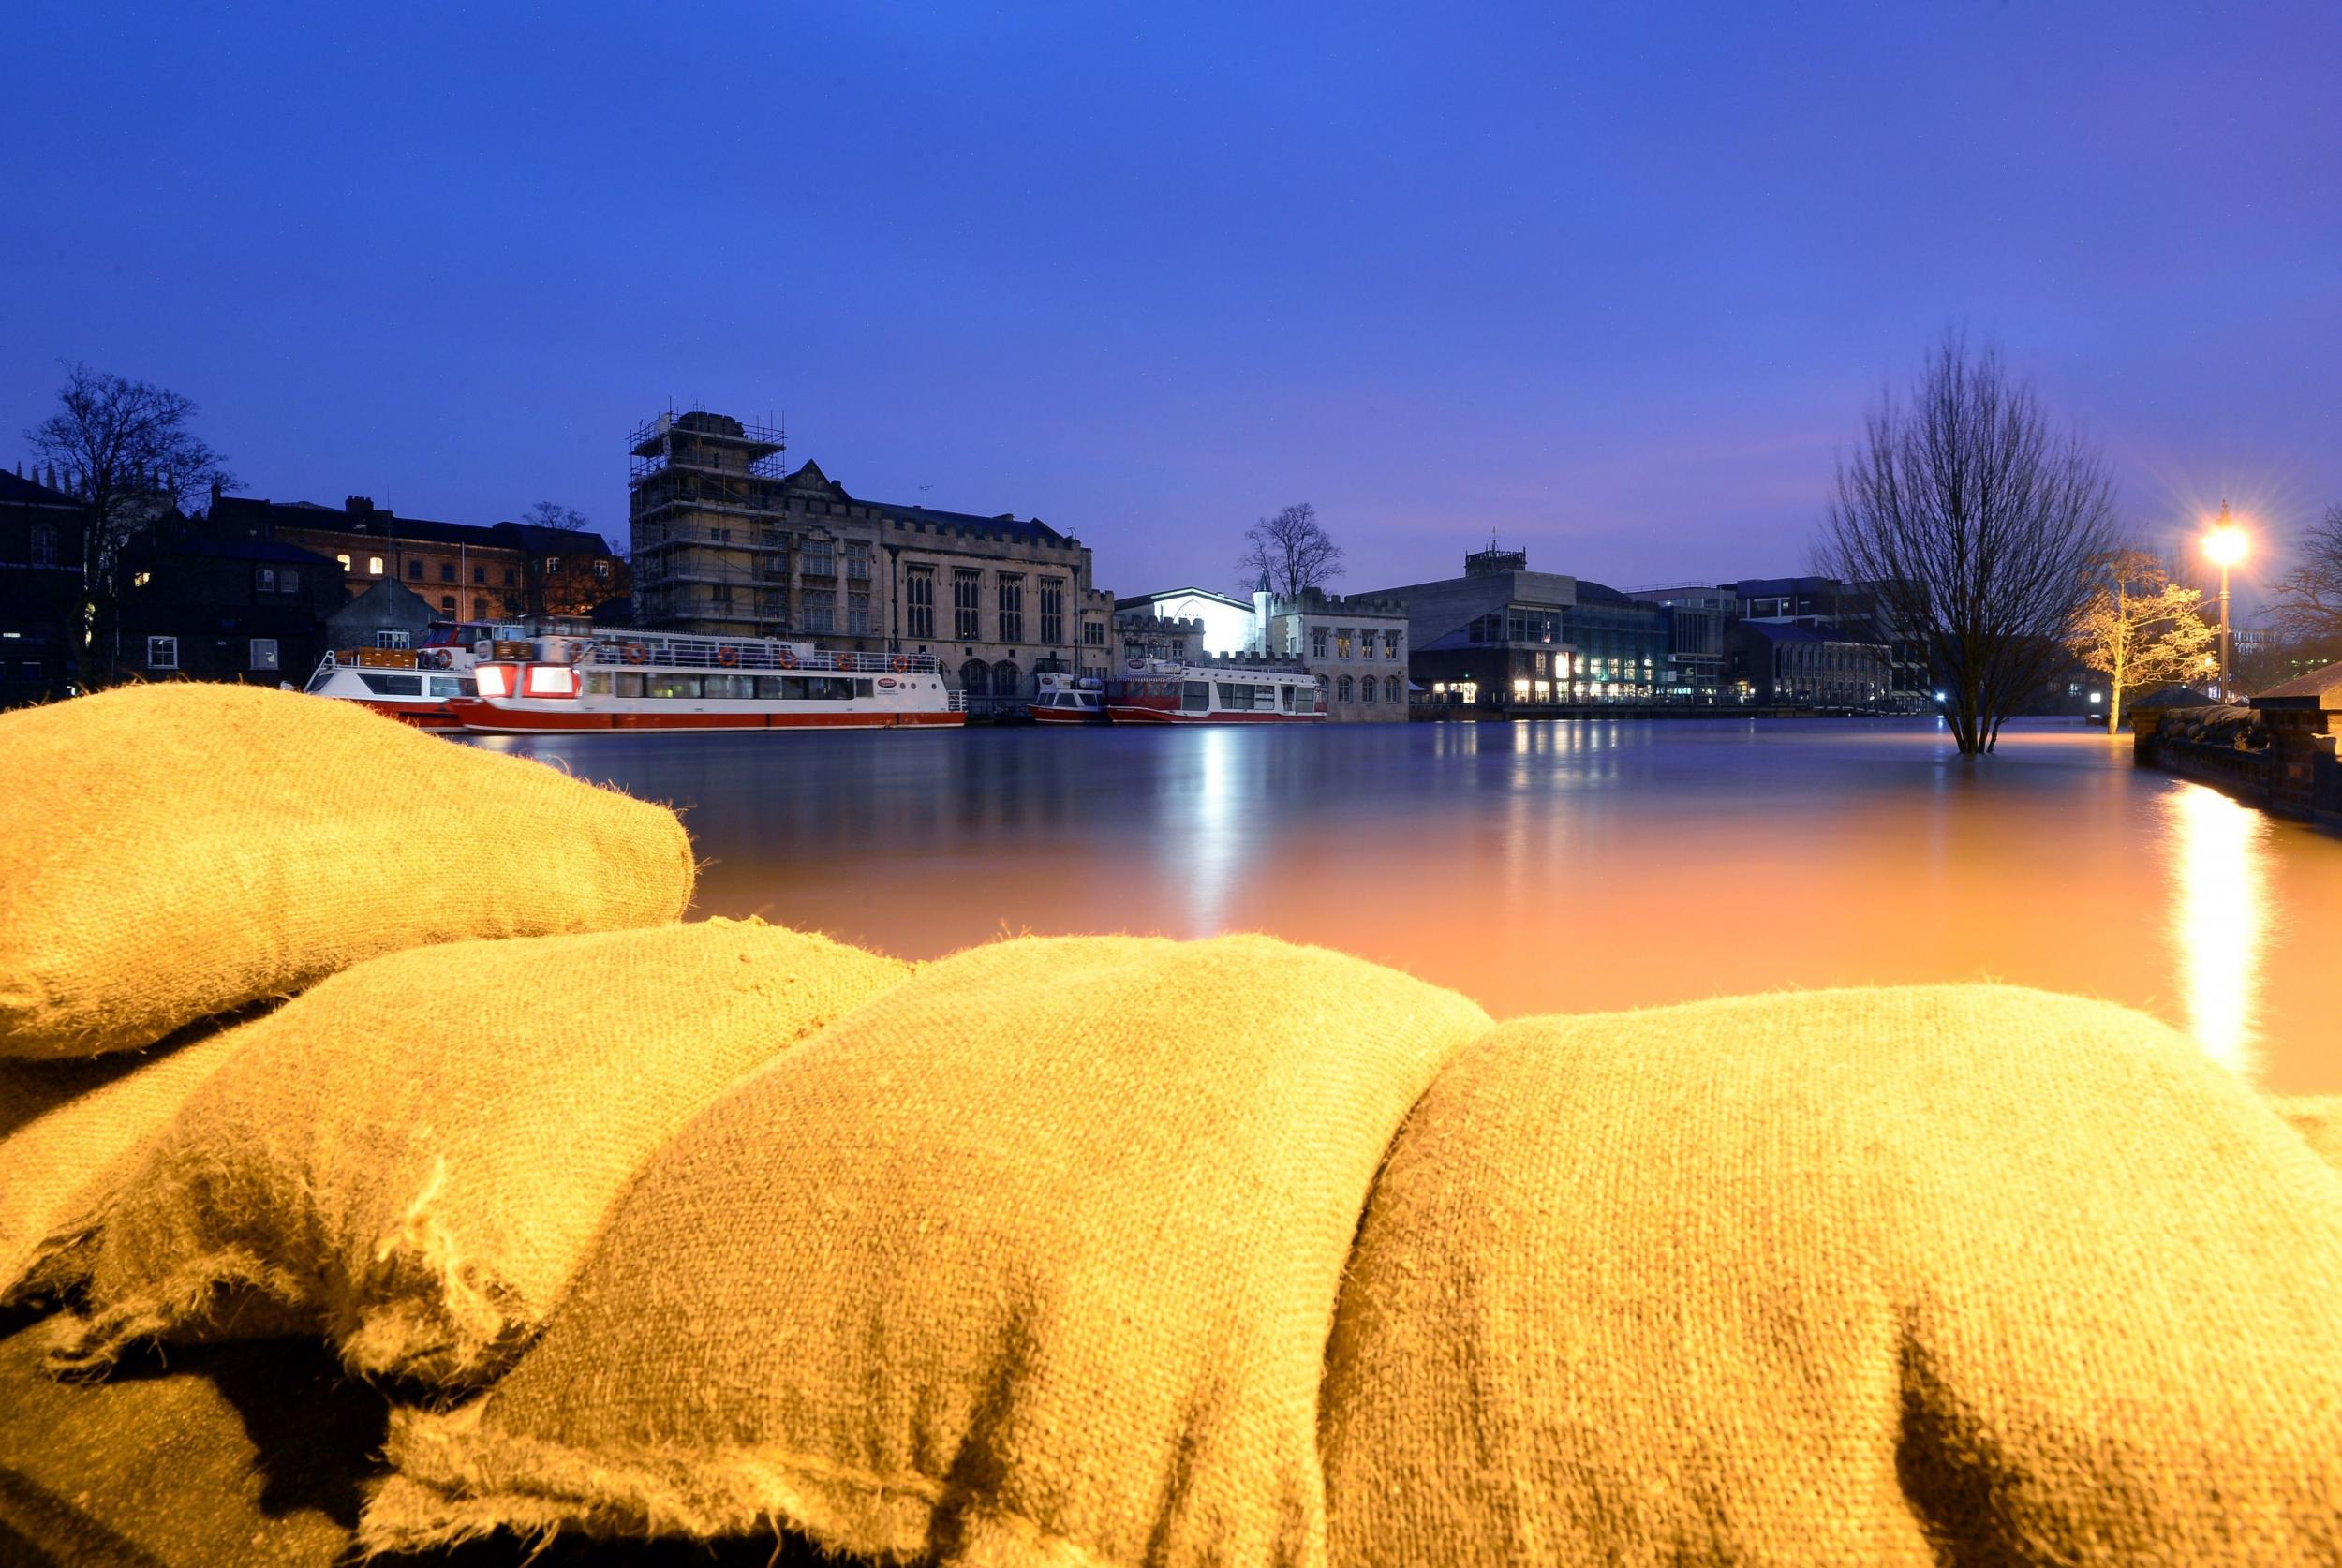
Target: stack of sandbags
(172,854)
(1030,1261)
(410,1158)
(1945,1275)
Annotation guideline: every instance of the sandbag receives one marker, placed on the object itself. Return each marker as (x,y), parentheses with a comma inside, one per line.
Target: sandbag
(1029,1261)
(412,1157)
(1953,1274)
(172,851)
(2318,1117)
(68,1130)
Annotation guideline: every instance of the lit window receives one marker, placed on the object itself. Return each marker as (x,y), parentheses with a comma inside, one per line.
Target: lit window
(141,579)
(374,564)
(345,560)
(162,653)
(264,653)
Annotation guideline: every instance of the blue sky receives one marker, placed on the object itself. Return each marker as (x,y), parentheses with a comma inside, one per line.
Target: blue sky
(1614,282)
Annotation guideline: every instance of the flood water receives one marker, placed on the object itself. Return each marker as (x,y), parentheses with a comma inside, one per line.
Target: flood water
(1554,866)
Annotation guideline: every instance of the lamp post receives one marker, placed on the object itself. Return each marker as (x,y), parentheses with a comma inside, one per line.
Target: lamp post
(2225,544)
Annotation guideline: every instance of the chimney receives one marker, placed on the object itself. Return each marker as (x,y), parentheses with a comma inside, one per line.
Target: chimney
(358,505)
(216,490)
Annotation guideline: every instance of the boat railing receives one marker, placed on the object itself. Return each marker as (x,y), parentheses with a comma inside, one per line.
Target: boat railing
(721,653)
(955,700)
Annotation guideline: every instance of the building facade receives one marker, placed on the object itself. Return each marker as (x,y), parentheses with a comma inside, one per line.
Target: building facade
(41,591)
(1794,664)
(195,606)
(1230,625)
(727,541)
(463,570)
(1501,636)
(1357,646)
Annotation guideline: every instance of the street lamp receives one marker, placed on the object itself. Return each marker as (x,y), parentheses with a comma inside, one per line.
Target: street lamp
(2226,544)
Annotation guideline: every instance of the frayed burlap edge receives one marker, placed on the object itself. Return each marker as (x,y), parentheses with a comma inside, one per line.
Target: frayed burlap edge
(456,1482)
(209,1297)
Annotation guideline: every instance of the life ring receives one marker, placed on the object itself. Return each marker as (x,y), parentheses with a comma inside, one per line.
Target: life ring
(785,660)
(636,654)
(900,665)
(727,656)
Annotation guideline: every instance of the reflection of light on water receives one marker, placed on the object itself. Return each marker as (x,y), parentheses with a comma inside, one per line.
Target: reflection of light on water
(2219,915)
(1214,850)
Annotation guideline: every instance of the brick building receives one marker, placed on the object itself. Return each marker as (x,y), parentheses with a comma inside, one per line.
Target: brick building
(197,606)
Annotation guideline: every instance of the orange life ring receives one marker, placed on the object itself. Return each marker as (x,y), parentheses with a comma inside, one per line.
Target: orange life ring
(900,665)
(636,654)
(786,659)
(727,656)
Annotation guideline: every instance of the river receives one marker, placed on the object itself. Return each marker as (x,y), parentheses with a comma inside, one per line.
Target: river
(1556,866)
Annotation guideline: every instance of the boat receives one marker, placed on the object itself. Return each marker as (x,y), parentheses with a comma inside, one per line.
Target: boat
(418,684)
(1167,692)
(1062,699)
(656,680)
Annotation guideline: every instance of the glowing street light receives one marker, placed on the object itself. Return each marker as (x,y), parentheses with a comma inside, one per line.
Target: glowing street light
(2226,544)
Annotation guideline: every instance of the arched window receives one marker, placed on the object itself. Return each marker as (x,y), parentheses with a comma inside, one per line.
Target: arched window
(1390,688)
(1006,678)
(1342,689)
(975,677)
(374,564)
(1366,689)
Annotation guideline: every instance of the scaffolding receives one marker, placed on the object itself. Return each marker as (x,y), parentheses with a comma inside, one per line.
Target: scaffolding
(705,509)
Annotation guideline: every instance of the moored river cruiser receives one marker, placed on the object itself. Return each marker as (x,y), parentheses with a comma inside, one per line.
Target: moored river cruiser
(1063,698)
(1165,692)
(418,684)
(651,680)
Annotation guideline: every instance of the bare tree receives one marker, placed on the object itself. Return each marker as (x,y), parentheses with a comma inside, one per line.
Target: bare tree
(2137,627)
(1975,523)
(552,514)
(1292,551)
(131,457)
(2307,606)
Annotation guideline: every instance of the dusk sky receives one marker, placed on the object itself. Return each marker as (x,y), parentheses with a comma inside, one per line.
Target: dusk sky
(1613,283)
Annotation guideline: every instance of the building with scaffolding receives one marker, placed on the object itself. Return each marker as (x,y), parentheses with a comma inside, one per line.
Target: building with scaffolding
(729,541)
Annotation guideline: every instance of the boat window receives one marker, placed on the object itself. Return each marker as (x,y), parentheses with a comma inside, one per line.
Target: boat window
(668,686)
(1196,698)
(454,686)
(391,686)
(630,683)
(729,687)
(866,688)
(768,688)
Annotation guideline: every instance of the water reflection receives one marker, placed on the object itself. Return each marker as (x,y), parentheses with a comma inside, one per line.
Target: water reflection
(1541,867)
(2219,913)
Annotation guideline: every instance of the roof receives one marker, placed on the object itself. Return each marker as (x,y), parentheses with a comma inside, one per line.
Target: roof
(17,489)
(538,540)
(1135,602)
(253,513)
(1590,592)
(1030,530)
(1795,631)
(234,550)
(2320,689)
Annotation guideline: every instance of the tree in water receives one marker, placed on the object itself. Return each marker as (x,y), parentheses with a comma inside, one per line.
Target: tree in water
(1975,523)
(2137,627)
(131,457)
(1292,551)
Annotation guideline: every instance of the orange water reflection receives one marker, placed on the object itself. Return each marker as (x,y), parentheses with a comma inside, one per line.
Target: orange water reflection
(1553,866)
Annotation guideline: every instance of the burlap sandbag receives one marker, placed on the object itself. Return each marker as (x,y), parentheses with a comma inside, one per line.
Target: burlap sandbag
(413,1157)
(2318,1117)
(1030,1262)
(67,1129)
(1957,1275)
(174,851)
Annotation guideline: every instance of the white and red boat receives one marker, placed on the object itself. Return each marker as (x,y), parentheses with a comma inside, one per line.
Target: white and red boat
(656,680)
(1165,692)
(419,685)
(1063,698)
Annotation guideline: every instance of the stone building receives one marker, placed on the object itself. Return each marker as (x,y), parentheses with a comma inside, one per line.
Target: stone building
(1801,664)
(40,591)
(727,541)
(1356,646)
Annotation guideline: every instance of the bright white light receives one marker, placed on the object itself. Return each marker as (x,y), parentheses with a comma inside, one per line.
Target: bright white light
(2219,915)
(552,680)
(2225,544)
(495,680)
(1939,695)
(2097,696)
